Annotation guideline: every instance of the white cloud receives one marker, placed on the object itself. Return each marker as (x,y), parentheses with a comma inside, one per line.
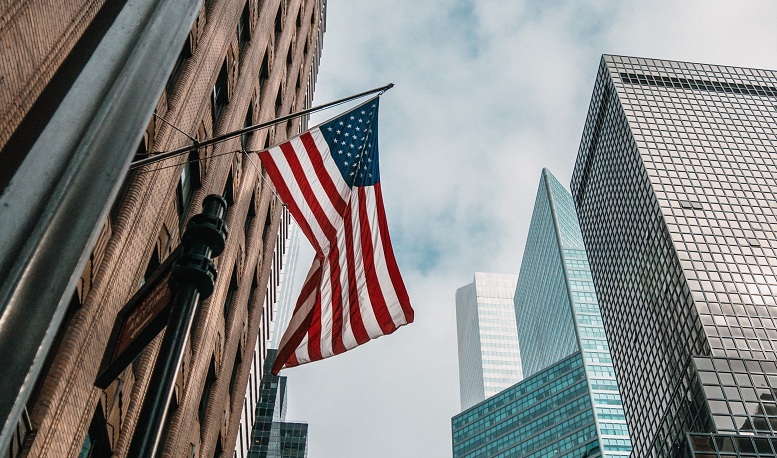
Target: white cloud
(488,92)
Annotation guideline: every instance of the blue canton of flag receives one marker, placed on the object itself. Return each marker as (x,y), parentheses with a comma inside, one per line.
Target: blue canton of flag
(353,141)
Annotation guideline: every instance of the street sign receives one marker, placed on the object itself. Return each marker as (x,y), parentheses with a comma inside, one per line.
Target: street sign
(138,323)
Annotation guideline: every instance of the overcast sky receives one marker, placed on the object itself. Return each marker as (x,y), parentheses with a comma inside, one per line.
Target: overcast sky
(487,94)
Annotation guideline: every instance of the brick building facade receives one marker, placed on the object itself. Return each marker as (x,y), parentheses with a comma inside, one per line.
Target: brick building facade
(244,62)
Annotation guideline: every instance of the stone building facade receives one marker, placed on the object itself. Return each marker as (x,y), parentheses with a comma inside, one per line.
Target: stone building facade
(244,62)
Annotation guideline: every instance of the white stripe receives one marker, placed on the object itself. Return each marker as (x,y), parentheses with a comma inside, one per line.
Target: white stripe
(381,267)
(329,164)
(316,186)
(349,340)
(326,310)
(365,305)
(299,198)
(298,318)
(302,351)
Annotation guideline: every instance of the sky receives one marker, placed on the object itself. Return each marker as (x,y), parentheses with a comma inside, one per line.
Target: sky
(488,92)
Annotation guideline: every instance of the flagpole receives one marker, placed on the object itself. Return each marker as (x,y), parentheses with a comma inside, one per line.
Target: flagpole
(220,138)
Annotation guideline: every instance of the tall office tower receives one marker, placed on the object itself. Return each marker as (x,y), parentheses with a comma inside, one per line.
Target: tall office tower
(287,298)
(272,436)
(489,358)
(674,187)
(237,63)
(276,300)
(569,404)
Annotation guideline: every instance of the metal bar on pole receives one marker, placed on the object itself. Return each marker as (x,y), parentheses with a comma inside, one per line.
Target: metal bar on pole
(220,138)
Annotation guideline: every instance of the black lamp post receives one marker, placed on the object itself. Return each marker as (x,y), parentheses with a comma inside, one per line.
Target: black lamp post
(193,277)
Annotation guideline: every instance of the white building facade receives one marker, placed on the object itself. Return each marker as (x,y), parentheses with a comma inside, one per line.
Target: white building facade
(489,357)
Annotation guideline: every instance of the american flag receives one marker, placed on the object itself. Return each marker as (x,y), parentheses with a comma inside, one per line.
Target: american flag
(328,177)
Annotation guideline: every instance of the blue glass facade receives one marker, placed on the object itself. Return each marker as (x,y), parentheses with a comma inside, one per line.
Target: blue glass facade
(272,436)
(547,414)
(569,404)
(557,310)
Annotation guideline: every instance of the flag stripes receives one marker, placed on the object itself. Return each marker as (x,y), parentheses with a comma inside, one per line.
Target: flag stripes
(353,291)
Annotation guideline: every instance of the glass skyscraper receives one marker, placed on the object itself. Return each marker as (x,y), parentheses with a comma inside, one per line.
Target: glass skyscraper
(489,359)
(675,190)
(546,414)
(569,404)
(272,436)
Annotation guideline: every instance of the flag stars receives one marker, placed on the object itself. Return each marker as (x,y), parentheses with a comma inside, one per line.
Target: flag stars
(351,139)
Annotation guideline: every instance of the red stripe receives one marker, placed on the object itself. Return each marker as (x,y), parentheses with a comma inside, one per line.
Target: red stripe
(287,351)
(323,174)
(291,362)
(283,191)
(337,302)
(314,331)
(377,299)
(329,231)
(357,325)
(391,262)
(340,205)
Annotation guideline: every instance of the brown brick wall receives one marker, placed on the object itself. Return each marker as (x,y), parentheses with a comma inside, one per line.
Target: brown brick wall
(35,37)
(65,401)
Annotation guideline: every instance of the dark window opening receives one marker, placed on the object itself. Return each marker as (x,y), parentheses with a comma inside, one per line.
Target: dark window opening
(250,216)
(278,22)
(264,71)
(278,103)
(229,192)
(151,267)
(244,28)
(186,52)
(235,369)
(219,448)
(231,292)
(248,122)
(96,443)
(252,293)
(700,85)
(219,96)
(267,224)
(206,391)
(189,181)
(291,129)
